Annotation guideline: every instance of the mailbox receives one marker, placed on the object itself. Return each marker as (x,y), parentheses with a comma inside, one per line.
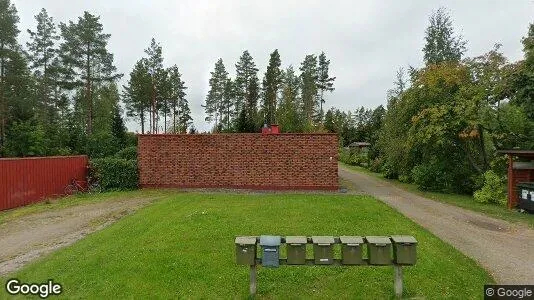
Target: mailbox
(379,250)
(296,250)
(404,249)
(351,250)
(322,249)
(245,250)
(271,250)
(526,196)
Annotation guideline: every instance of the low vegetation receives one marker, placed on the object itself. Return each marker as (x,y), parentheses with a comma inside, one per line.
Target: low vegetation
(182,246)
(464,201)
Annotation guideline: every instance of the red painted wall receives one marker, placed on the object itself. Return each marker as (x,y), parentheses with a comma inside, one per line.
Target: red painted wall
(28,180)
(249,160)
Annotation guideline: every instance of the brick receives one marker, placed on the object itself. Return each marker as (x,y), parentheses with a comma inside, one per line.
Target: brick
(257,161)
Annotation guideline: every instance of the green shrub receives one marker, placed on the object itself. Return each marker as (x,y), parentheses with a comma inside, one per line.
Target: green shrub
(493,191)
(358,159)
(101,145)
(405,178)
(377,165)
(129,153)
(115,173)
(344,156)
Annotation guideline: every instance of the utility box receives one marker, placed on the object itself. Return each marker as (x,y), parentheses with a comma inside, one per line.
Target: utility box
(351,250)
(323,249)
(526,196)
(379,250)
(404,249)
(296,250)
(245,250)
(270,245)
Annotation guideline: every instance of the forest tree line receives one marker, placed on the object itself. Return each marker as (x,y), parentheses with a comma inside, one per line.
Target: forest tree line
(59,92)
(445,122)
(293,101)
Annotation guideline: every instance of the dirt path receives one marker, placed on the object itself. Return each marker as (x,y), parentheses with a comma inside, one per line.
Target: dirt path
(506,250)
(29,237)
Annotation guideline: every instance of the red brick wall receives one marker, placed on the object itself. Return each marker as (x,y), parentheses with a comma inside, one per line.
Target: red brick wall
(257,161)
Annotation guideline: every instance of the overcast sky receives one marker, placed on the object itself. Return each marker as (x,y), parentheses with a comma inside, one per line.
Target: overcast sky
(366,41)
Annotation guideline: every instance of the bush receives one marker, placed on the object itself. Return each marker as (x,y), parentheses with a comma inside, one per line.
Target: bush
(129,153)
(358,159)
(344,156)
(377,165)
(101,145)
(493,191)
(114,173)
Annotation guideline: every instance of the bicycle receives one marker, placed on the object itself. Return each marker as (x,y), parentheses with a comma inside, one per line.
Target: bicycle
(79,186)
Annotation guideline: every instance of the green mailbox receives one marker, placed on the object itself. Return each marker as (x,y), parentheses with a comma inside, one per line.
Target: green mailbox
(296,250)
(379,250)
(322,249)
(245,250)
(404,249)
(351,250)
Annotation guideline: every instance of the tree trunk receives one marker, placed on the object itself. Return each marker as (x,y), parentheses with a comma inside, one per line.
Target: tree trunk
(164,122)
(174,117)
(142,117)
(88,94)
(3,110)
(154,123)
(483,147)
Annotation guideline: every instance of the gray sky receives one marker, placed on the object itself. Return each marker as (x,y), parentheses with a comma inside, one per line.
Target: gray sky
(366,41)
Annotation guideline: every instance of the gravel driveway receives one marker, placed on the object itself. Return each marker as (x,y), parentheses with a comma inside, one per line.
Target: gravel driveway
(26,238)
(506,250)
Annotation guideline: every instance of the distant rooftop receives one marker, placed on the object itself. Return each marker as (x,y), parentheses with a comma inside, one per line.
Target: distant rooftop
(520,153)
(359,144)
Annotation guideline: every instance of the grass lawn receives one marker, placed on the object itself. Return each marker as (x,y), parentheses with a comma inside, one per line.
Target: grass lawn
(464,201)
(183,247)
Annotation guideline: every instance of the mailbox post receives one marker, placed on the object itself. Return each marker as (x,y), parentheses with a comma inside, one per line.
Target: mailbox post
(379,250)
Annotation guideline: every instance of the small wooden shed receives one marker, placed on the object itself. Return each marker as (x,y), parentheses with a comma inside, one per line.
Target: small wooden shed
(518,171)
(359,145)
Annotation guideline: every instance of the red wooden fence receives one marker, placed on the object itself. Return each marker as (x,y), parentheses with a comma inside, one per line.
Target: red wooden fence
(28,180)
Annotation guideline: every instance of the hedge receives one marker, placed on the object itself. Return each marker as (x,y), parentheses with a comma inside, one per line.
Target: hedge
(115,173)
(127,153)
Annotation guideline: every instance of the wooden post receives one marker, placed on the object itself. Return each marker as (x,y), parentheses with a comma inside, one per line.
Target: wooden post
(511,189)
(398,281)
(252,281)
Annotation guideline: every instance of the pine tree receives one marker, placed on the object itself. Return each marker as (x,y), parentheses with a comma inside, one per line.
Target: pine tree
(118,129)
(399,87)
(8,50)
(309,77)
(106,99)
(137,93)
(215,97)
(289,111)
(324,81)
(157,74)
(181,114)
(271,86)
(441,42)
(85,59)
(246,72)
(43,57)
(227,109)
